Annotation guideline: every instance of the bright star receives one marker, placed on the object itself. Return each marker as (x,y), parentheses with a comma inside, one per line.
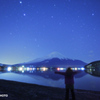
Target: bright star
(24,14)
(20,2)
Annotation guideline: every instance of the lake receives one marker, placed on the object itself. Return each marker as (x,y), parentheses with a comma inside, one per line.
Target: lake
(49,78)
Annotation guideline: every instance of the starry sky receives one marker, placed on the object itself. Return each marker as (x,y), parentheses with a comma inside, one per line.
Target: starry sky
(31,29)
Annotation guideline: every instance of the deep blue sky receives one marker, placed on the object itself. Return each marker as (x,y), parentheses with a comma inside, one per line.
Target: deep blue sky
(31,29)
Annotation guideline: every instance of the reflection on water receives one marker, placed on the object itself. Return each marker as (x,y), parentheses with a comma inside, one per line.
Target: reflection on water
(42,71)
(93,68)
(46,76)
(49,78)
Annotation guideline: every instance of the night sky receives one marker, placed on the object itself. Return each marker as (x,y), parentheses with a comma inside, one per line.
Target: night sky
(31,29)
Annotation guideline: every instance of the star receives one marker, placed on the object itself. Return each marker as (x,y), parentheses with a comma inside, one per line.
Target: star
(24,14)
(92,14)
(20,2)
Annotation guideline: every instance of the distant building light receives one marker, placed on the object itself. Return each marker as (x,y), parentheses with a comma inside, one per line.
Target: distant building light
(61,68)
(79,68)
(23,66)
(9,69)
(33,68)
(72,68)
(82,68)
(43,69)
(37,68)
(28,68)
(58,69)
(22,71)
(75,68)
(20,68)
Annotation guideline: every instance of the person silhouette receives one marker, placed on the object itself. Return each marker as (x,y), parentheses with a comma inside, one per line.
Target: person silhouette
(69,81)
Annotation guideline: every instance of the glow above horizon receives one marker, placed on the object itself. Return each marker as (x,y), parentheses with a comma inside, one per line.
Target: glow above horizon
(31,29)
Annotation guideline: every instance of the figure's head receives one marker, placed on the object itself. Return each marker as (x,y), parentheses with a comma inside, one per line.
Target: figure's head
(69,69)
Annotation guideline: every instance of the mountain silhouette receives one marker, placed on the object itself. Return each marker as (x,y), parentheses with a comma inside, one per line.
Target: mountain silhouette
(54,59)
(57,61)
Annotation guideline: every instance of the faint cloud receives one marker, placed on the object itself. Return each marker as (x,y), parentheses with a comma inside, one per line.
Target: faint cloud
(91,51)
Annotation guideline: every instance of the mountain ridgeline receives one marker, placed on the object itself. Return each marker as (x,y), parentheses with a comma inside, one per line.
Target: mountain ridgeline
(58,61)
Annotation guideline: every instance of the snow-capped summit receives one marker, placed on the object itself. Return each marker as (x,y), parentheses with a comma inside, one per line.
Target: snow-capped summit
(55,59)
(49,56)
(56,55)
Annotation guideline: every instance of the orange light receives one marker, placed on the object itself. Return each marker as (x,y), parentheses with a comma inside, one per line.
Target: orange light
(58,69)
(30,68)
(43,69)
(37,68)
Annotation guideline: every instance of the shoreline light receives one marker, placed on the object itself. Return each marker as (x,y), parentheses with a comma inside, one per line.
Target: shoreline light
(33,68)
(82,68)
(20,68)
(43,69)
(23,66)
(61,68)
(79,68)
(58,69)
(28,68)
(75,68)
(9,69)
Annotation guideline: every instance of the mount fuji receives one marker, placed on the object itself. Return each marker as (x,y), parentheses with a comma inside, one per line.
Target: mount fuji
(50,56)
(55,59)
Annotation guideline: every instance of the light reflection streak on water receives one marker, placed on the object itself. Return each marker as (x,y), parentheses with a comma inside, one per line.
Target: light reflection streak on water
(32,69)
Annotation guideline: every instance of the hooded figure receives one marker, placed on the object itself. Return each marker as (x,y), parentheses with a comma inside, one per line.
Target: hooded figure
(69,82)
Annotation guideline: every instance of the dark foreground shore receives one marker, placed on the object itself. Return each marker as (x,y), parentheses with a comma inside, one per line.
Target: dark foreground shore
(24,91)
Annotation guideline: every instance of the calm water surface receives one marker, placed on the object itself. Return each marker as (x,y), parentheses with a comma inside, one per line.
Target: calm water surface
(49,78)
